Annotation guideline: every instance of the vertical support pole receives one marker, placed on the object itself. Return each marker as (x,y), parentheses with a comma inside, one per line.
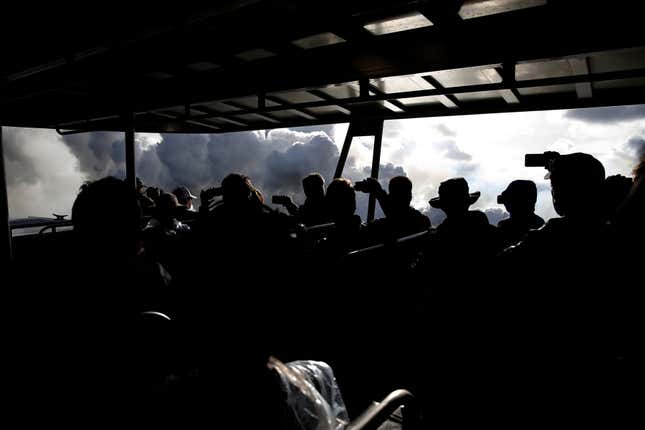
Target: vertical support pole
(376,163)
(130,173)
(5,229)
(344,152)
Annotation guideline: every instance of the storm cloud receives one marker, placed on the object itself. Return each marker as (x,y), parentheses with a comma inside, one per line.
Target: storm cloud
(452,151)
(276,160)
(607,115)
(637,145)
(42,174)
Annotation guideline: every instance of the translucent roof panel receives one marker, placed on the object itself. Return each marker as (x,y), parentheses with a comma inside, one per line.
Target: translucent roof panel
(467,76)
(300,96)
(481,95)
(349,89)
(398,84)
(250,102)
(177,111)
(328,110)
(290,114)
(225,122)
(159,75)
(477,8)
(255,117)
(395,24)
(546,69)
(421,101)
(218,107)
(202,66)
(611,61)
(550,89)
(254,54)
(318,40)
(620,83)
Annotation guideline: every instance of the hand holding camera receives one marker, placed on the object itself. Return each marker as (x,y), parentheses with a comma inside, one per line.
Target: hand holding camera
(369,185)
(209,193)
(283,200)
(541,160)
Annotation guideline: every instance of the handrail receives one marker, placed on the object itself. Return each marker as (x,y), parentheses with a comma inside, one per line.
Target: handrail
(67,223)
(398,242)
(378,413)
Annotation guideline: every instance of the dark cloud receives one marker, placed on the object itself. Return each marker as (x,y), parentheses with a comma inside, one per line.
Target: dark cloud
(466,169)
(276,161)
(328,129)
(386,172)
(457,154)
(99,154)
(543,187)
(19,164)
(392,129)
(42,174)
(437,216)
(637,145)
(446,131)
(452,151)
(608,114)
(495,215)
(288,168)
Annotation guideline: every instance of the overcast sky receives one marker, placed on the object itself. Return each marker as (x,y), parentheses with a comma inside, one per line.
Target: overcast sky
(45,170)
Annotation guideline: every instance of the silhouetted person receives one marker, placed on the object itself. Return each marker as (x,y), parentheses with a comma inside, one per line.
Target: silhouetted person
(349,232)
(628,219)
(401,219)
(153,193)
(519,199)
(464,232)
(83,351)
(166,216)
(563,281)
(242,231)
(185,210)
(577,182)
(615,191)
(165,237)
(312,211)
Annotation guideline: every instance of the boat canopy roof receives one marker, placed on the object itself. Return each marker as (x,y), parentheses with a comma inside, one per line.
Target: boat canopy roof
(261,64)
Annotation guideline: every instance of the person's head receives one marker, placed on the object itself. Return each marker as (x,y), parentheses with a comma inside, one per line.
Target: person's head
(639,171)
(454,197)
(184,197)
(341,199)
(107,217)
(576,185)
(167,206)
(616,188)
(400,192)
(314,186)
(153,193)
(238,191)
(519,197)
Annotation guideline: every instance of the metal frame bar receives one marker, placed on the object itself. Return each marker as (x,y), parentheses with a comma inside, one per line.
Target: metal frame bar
(5,229)
(130,169)
(342,159)
(410,112)
(376,163)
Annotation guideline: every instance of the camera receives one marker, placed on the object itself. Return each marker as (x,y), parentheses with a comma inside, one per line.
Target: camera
(362,186)
(210,193)
(281,200)
(541,160)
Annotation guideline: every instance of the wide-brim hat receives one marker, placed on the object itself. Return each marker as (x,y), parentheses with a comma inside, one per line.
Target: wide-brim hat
(183,192)
(454,190)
